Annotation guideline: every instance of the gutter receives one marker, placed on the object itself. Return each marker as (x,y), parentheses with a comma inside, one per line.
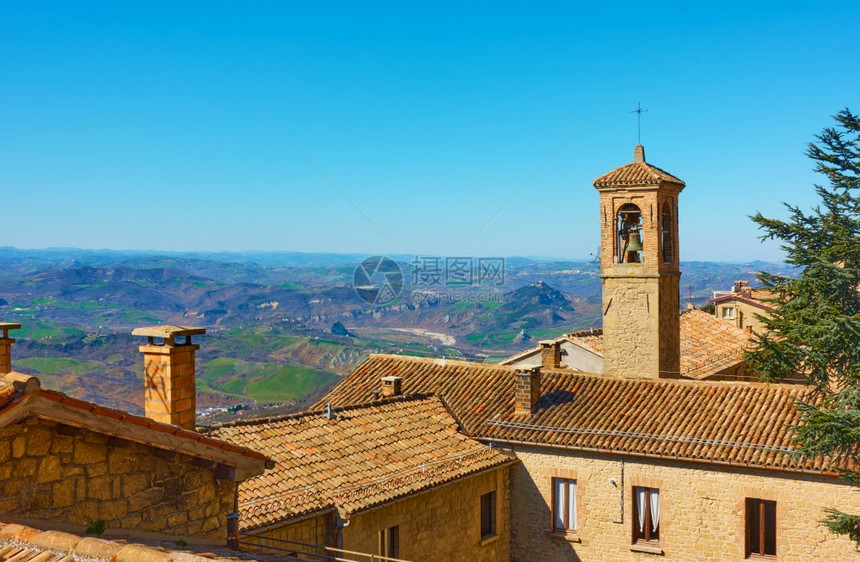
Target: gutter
(661,457)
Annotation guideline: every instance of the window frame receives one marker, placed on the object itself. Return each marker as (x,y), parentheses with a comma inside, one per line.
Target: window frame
(389,542)
(646,535)
(760,508)
(566,485)
(488,515)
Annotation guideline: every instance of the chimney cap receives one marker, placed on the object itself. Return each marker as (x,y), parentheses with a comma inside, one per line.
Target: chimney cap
(168,331)
(9,326)
(391,378)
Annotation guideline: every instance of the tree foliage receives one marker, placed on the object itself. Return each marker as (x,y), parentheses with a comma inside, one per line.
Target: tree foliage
(814,328)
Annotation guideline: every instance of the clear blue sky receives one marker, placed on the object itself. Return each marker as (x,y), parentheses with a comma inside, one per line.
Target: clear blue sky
(141,125)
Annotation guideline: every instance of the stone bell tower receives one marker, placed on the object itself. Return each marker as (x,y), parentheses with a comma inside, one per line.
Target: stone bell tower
(639,269)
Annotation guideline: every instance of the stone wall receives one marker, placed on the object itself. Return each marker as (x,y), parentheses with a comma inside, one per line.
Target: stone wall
(701,509)
(316,530)
(443,524)
(46,474)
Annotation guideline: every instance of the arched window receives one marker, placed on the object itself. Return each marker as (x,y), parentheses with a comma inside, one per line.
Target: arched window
(629,230)
(667,238)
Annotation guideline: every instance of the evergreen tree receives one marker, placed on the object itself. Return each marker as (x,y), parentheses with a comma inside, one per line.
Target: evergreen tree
(814,328)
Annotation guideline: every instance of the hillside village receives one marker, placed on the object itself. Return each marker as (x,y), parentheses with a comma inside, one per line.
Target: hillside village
(645,438)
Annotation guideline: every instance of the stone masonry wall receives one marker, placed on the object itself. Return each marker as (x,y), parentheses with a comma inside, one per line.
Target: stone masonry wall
(45,474)
(630,326)
(314,530)
(701,509)
(443,524)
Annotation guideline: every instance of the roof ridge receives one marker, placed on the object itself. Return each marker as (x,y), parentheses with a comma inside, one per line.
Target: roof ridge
(673,381)
(417,397)
(122,416)
(438,361)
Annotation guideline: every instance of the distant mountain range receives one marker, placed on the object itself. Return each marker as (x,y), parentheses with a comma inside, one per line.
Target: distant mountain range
(282,325)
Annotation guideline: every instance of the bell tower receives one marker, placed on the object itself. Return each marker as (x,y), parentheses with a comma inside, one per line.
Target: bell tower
(639,270)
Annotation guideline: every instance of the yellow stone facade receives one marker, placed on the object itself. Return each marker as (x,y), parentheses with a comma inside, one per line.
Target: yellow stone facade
(47,473)
(702,509)
(441,524)
(741,314)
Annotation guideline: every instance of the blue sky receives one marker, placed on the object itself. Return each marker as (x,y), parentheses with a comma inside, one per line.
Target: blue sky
(149,125)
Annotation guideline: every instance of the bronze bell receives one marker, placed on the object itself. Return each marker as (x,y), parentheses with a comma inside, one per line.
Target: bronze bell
(635,242)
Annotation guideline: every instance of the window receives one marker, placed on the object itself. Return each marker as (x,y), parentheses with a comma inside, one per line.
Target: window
(563,505)
(488,515)
(761,527)
(666,235)
(728,312)
(646,514)
(389,542)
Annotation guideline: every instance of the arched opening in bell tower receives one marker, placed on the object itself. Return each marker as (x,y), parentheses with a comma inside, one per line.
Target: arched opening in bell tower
(629,234)
(667,235)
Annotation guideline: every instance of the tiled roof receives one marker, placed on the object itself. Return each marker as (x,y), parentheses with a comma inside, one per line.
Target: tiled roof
(22,396)
(21,543)
(636,173)
(709,345)
(592,339)
(469,389)
(744,424)
(365,455)
(754,298)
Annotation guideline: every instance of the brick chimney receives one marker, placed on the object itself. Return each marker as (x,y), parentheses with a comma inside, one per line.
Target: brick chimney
(391,386)
(6,346)
(168,373)
(527,389)
(550,351)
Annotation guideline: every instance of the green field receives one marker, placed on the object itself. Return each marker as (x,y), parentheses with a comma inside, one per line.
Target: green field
(263,382)
(59,365)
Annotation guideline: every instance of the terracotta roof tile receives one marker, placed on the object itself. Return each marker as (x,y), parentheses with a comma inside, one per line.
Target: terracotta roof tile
(636,173)
(745,424)
(23,543)
(366,455)
(708,345)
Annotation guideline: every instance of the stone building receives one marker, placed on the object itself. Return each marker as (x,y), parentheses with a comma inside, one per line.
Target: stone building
(742,307)
(707,454)
(653,455)
(65,460)
(391,476)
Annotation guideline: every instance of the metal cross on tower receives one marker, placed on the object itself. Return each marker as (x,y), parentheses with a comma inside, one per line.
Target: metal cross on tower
(639,111)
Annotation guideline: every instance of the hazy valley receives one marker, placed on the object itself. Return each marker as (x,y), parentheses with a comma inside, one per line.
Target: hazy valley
(281,327)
